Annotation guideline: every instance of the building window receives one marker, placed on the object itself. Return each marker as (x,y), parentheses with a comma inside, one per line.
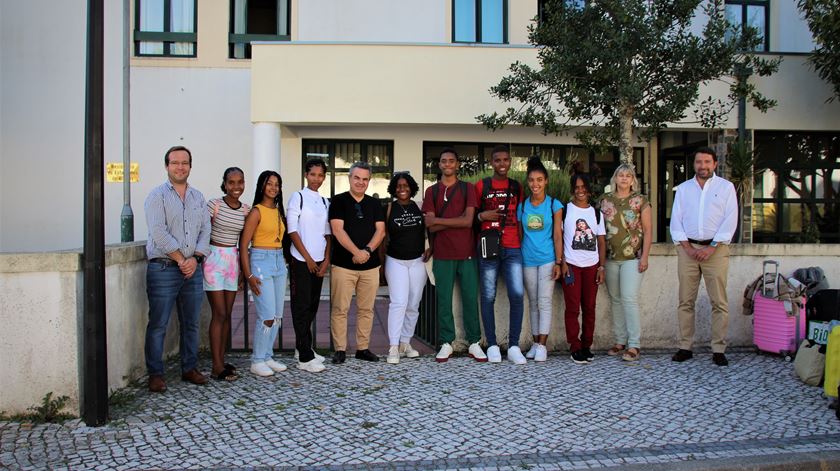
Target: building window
(797,197)
(257,20)
(752,13)
(340,155)
(165,28)
(479,21)
(475,161)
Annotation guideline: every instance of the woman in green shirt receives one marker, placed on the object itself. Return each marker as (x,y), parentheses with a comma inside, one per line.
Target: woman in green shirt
(628,223)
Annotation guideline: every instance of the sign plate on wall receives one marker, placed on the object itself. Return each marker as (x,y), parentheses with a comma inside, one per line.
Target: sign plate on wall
(114,172)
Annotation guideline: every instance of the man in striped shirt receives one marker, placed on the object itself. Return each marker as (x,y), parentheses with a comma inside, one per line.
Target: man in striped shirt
(179,239)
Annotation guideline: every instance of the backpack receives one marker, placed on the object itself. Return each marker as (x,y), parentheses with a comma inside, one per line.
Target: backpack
(813,278)
(597,214)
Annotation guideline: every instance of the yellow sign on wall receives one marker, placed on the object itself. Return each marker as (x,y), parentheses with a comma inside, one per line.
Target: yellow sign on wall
(114,172)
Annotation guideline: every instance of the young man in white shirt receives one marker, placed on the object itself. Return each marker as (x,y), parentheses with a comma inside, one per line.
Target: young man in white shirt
(703,221)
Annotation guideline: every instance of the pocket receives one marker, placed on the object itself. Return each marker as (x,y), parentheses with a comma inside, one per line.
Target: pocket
(258,256)
(155,267)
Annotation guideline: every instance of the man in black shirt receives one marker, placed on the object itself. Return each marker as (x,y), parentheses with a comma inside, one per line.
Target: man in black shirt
(358,226)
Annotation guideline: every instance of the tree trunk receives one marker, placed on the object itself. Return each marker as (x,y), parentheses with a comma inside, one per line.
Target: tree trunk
(625,140)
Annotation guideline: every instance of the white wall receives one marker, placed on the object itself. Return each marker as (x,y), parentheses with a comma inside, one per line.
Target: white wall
(205,110)
(372,20)
(788,29)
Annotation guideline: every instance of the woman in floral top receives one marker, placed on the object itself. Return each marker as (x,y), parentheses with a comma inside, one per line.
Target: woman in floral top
(628,220)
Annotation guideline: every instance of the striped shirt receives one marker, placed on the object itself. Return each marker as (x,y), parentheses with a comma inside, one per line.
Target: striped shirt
(176,225)
(226,222)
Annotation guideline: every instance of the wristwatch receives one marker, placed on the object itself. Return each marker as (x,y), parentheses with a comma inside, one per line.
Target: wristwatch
(367,249)
(714,243)
(199,258)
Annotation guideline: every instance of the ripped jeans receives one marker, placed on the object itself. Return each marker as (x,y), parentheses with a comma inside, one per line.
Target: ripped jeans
(270,268)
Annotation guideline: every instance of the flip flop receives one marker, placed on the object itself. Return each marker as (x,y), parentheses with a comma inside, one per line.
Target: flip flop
(616,349)
(226,375)
(230,367)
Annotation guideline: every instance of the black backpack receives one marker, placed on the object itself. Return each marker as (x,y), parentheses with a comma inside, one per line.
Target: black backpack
(824,305)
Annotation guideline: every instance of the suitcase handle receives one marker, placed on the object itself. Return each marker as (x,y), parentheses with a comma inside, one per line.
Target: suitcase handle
(769,288)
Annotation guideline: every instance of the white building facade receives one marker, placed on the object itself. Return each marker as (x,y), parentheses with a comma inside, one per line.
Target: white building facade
(265,84)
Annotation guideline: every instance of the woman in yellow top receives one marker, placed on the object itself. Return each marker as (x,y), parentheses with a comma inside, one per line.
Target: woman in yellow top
(265,269)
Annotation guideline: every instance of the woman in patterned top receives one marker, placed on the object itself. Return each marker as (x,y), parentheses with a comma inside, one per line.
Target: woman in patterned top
(628,223)
(221,269)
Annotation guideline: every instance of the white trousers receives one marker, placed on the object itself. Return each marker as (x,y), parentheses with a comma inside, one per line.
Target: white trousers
(406,280)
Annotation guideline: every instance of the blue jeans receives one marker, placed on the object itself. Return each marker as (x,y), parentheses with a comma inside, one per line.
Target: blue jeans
(270,267)
(166,288)
(623,284)
(488,272)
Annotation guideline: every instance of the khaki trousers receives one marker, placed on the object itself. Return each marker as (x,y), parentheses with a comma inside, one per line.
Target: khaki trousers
(714,272)
(343,283)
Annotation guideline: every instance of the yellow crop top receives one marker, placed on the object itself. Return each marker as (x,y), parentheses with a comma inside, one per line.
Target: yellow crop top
(270,230)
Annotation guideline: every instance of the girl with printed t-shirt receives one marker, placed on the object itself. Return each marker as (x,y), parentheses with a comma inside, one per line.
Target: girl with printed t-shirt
(542,251)
(405,267)
(221,269)
(584,250)
(628,222)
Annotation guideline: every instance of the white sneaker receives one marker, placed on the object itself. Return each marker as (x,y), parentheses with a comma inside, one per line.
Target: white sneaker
(312,366)
(275,365)
(320,358)
(444,353)
(542,353)
(393,355)
(477,353)
(532,352)
(514,355)
(261,369)
(494,355)
(408,351)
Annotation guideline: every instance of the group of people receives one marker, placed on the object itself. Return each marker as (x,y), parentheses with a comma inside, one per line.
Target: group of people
(474,233)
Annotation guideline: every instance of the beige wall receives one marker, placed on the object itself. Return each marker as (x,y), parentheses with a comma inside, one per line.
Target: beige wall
(41,311)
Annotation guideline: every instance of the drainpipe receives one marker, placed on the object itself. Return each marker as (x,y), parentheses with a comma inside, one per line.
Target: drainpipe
(94,377)
(127,215)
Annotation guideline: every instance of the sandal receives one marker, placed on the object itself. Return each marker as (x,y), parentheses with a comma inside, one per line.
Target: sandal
(632,354)
(615,350)
(230,367)
(226,375)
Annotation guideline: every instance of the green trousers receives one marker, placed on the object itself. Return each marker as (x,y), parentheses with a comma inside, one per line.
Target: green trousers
(466,271)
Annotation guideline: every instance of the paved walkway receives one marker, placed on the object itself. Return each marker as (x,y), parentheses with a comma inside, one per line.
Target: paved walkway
(461,414)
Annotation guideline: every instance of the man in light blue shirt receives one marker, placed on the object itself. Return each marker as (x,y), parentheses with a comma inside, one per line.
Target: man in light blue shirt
(703,221)
(179,239)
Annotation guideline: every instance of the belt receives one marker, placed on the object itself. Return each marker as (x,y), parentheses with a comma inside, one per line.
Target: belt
(167,262)
(701,242)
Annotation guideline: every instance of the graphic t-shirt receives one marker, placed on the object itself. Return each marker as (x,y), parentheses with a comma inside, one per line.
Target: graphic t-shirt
(623,221)
(502,198)
(580,236)
(537,230)
(406,232)
(456,243)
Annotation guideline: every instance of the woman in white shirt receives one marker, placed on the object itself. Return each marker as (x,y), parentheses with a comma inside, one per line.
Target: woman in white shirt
(584,251)
(309,231)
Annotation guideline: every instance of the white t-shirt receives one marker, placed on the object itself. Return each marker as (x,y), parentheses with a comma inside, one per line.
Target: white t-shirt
(580,236)
(311,223)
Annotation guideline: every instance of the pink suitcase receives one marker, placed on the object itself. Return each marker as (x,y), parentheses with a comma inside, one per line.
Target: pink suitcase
(774,330)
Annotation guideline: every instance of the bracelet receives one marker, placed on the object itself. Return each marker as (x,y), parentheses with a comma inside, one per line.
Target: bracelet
(601,268)
(249,276)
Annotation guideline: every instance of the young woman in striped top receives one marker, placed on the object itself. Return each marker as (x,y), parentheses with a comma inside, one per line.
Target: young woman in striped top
(221,269)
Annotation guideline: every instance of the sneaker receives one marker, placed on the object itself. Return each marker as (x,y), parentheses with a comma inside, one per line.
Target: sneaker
(682,355)
(444,353)
(579,357)
(320,358)
(532,352)
(312,366)
(393,355)
(476,353)
(588,353)
(261,369)
(542,353)
(275,365)
(494,355)
(366,355)
(408,351)
(514,354)
(339,356)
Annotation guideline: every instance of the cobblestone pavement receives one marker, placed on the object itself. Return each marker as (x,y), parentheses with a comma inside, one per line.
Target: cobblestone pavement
(460,414)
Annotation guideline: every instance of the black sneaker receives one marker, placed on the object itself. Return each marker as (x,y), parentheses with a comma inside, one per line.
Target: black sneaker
(588,354)
(339,356)
(366,355)
(579,357)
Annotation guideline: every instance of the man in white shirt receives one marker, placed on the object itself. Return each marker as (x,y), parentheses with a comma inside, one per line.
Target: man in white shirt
(703,221)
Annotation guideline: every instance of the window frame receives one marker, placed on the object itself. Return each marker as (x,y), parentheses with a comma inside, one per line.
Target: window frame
(166,37)
(477,19)
(363,148)
(246,38)
(744,4)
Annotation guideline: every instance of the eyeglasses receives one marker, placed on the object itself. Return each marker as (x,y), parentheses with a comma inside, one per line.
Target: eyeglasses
(359,213)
